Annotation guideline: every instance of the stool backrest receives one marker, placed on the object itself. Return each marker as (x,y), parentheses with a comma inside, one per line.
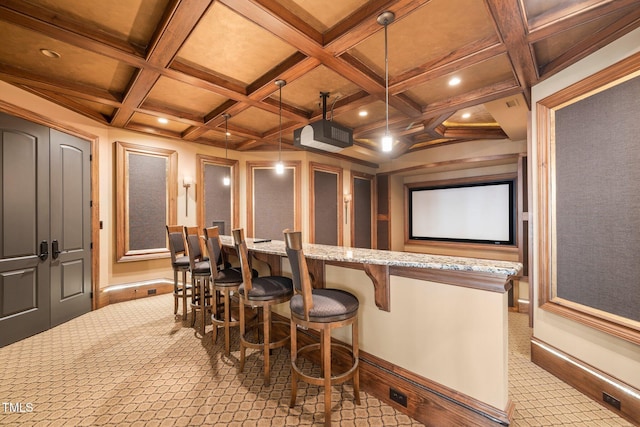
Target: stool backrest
(176,241)
(243,255)
(299,269)
(193,243)
(214,246)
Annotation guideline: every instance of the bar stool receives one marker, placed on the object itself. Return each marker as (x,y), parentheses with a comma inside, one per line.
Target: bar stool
(225,280)
(180,264)
(321,310)
(263,293)
(200,274)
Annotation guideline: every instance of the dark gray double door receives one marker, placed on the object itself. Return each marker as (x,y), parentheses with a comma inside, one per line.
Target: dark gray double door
(45,225)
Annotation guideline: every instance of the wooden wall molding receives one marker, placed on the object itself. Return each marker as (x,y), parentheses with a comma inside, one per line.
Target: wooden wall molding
(587,379)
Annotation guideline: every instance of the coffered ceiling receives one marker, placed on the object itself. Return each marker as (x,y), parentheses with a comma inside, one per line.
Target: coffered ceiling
(126,63)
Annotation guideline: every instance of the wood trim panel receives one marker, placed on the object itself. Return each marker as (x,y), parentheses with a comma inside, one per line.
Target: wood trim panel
(427,402)
(296,166)
(201,161)
(545,120)
(123,253)
(587,379)
(372,182)
(321,167)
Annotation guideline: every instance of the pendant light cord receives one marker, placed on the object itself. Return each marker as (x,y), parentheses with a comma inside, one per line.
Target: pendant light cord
(386,77)
(280,131)
(226,137)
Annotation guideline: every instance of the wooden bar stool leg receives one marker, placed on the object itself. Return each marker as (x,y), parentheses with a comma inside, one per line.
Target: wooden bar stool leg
(326,365)
(184,295)
(266,315)
(175,291)
(242,332)
(294,355)
(355,349)
(227,320)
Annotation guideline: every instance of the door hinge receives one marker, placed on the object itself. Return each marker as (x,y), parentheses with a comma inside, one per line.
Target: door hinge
(90,203)
(90,157)
(91,295)
(91,245)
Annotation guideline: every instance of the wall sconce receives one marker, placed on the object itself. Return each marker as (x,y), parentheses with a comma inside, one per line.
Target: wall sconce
(186,183)
(347,200)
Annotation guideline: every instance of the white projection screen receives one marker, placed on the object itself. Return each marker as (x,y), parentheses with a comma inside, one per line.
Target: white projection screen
(473,213)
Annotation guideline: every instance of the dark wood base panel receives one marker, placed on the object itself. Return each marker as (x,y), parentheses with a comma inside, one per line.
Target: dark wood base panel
(134,292)
(427,402)
(587,379)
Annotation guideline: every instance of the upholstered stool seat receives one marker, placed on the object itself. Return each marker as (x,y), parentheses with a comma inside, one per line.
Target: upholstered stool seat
(180,264)
(267,288)
(262,293)
(322,310)
(329,305)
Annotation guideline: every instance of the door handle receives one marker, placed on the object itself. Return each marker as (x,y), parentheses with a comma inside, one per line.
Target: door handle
(54,249)
(44,250)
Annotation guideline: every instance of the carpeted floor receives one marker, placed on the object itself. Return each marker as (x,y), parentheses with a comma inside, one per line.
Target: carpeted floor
(133,363)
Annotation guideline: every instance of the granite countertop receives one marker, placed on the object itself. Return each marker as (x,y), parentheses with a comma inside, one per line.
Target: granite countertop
(381,257)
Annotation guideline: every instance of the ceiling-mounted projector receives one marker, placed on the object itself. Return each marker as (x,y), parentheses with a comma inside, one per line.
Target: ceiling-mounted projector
(323,135)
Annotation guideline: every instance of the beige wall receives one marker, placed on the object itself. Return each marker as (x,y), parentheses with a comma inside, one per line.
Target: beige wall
(614,356)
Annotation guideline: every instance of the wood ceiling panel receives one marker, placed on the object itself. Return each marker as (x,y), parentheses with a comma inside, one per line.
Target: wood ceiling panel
(376,112)
(304,92)
(550,48)
(484,74)
(318,15)
(181,96)
(479,116)
(132,20)
(432,32)
(257,120)
(233,47)
(217,137)
(21,48)
(146,120)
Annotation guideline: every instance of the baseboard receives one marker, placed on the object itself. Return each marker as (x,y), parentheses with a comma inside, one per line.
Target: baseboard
(587,379)
(131,291)
(427,402)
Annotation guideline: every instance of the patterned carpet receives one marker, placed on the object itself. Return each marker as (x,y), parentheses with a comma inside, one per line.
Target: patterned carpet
(133,363)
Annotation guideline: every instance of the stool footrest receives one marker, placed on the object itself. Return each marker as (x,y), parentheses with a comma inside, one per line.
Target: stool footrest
(319,380)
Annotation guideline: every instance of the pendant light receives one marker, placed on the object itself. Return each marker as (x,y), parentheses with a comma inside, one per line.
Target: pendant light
(280,165)
(226,180)
(384,19)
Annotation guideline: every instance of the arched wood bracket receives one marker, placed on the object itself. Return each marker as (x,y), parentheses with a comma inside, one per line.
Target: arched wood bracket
(379,275)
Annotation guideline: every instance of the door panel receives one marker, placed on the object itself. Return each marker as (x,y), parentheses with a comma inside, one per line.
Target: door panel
(24,223)
(70,227)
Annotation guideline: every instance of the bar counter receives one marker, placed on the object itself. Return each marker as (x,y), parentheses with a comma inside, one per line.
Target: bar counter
(434,328)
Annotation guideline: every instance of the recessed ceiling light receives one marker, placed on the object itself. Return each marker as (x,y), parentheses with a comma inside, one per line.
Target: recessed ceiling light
(454,81)
(466,115)
(363,114)
(163,120)
(50,53)
(228,133)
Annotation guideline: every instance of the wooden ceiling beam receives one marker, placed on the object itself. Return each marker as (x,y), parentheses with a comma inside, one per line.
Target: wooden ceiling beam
(509,21)
(178,22)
